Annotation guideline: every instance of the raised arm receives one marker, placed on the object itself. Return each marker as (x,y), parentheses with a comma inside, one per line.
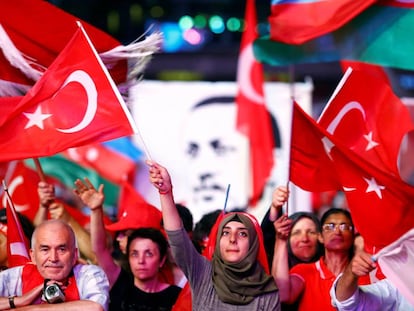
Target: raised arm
(289,286)
(347,284)
(161,180)
(94,200)
(46,194)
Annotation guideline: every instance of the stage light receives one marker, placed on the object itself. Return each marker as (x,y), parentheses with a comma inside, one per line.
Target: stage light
(216,24)
(233,24)
(186,22)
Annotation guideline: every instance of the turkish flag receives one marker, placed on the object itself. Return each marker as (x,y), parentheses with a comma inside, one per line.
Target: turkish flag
(134,211)
(74,103)
(253,119)
(310,166)
(377,199)
(380,203)
(367,117)
(17,243)
(40,30)
(22,187)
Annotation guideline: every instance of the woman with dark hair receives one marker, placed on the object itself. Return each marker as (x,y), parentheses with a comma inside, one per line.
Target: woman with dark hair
(140,287)
(147,253)
(302,243)
(309,283)
(235,278)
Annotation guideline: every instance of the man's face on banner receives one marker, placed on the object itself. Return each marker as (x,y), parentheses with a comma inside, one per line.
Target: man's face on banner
(217,155)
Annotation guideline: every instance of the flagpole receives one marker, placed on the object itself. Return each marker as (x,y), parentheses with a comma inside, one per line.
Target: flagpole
(39,169)
(11,205)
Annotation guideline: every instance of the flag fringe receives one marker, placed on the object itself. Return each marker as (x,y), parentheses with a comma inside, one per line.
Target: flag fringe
(138,53)
(16,58)
(8,88)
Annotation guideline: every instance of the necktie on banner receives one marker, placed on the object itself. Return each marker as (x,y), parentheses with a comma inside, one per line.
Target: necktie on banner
(396,261)
(253,118)
(298,21)
(74,103)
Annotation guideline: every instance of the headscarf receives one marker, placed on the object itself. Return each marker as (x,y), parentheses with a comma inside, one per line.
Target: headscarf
(239,283)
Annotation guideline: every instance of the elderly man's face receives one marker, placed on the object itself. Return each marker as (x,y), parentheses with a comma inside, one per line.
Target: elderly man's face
(217,156)
(54,252)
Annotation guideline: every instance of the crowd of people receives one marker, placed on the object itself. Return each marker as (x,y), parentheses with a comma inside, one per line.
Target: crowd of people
(226,261)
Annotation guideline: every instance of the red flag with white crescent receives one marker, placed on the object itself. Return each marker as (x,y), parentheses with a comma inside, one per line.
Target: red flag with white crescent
(17,243)
(253,119)
(74,103)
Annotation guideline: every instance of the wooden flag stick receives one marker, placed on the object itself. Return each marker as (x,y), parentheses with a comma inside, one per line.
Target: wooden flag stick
(39,169)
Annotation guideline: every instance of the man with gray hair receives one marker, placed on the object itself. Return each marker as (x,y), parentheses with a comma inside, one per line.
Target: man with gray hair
(54,278)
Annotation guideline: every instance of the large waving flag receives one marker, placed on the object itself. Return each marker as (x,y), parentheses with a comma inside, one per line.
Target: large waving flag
(253,119)
(17,243)
(381,35)
(309,161)
(376,198)
(74,103)
(33,33)
(116,160)
(368,118)
(297,21)
(22,188)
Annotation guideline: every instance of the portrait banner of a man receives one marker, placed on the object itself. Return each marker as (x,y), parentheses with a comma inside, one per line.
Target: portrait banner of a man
(190,127)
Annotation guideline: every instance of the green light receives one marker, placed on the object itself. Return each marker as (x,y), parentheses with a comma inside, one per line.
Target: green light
(136,13)
(156,11)
(200,21)
(233,24)
(112,20)
(216,24)
(186,22)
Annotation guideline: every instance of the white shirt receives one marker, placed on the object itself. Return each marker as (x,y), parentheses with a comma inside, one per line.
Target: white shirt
(379,296)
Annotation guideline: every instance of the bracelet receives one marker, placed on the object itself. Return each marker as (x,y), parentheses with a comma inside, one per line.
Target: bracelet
(11,302)
(164,192)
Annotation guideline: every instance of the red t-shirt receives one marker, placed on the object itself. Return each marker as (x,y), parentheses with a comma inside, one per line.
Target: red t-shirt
(318,282)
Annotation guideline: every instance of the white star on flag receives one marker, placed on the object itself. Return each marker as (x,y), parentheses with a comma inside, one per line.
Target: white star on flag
(36,118)
(373,186)
(371,143)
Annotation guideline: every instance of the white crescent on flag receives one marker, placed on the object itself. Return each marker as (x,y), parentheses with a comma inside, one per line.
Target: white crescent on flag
(86,81)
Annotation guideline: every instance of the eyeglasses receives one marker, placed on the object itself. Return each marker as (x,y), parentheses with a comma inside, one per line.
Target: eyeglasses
(332,227)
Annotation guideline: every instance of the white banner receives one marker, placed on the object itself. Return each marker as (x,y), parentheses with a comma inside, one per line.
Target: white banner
(201,147)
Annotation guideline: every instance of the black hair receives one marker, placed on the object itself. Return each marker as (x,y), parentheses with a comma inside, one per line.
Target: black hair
(347,214)
(203,227)
(277,142)
(335,210)
(154,235)
(269,236)
(186,217)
